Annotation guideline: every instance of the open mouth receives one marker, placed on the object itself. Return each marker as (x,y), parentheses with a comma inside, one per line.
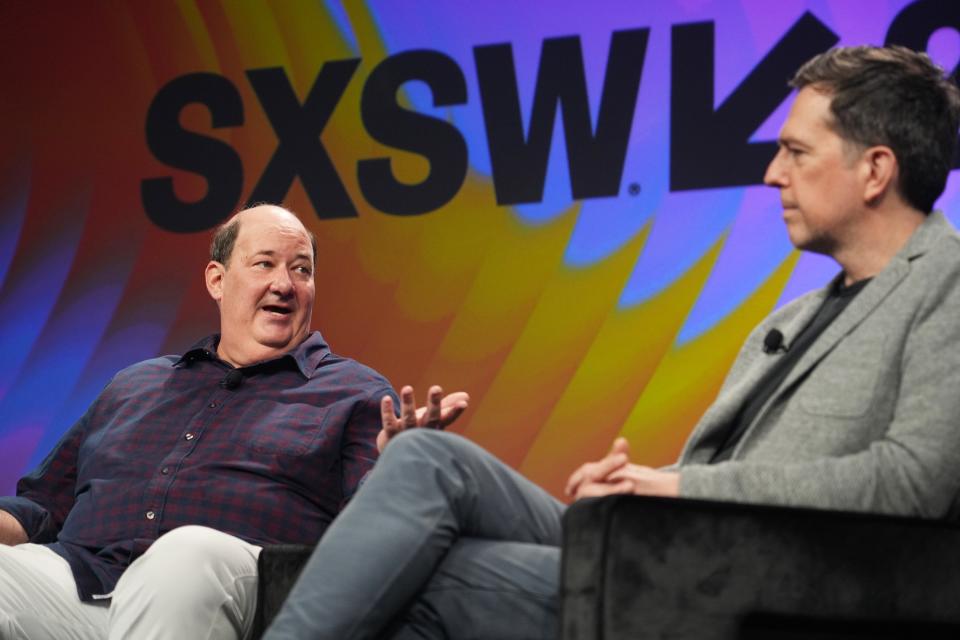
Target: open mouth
(277,309)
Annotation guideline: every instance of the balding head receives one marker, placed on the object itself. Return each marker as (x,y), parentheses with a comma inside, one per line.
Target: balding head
(221,247)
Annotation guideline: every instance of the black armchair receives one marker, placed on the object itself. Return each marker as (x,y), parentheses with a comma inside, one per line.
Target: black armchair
(279,567)
(639,568)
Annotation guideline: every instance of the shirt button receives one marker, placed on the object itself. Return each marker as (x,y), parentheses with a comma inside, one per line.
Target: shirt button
(189,436)
(151,515)
(212,405)
(165,470)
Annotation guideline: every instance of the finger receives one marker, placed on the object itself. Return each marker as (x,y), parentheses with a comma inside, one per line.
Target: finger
(434,396)
(598,489)
(594,471)
(620,445)
(448,416)
(408,408)
(574,481)
(457,399)
(451,407)
(388,417)
(606,466)
(628,471)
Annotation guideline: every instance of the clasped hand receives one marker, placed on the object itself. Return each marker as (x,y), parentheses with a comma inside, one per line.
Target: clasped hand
(615,474)
(439,412)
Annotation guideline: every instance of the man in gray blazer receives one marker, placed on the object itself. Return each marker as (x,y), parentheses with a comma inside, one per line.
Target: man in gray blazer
(847,398)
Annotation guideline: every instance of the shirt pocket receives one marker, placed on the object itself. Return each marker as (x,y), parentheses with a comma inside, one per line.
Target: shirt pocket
(845,383)
(283,434)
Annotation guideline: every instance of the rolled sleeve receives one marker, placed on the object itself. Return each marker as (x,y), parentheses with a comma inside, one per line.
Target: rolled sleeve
(34,519)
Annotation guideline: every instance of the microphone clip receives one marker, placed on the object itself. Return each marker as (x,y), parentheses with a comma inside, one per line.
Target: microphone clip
(232,380)
(773,342)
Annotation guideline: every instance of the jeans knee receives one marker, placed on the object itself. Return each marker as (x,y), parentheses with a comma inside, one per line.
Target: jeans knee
(411,437)
(427,444)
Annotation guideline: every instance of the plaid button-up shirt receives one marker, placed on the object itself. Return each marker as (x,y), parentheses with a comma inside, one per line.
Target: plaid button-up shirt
(169,443)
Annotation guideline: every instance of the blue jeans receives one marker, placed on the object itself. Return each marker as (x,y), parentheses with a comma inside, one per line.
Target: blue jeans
(442,541)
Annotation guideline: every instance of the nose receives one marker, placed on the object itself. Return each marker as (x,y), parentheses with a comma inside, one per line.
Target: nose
(775,176)
(282,283)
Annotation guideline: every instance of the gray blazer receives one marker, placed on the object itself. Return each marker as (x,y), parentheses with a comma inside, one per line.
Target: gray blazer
(869,418)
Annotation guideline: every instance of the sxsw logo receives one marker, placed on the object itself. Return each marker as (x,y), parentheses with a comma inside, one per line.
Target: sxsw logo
(709,147)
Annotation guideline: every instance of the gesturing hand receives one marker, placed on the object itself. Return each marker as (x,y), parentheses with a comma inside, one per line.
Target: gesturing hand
(439,412)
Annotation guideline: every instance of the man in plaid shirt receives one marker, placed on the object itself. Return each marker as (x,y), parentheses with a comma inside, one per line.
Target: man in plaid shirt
(146,519)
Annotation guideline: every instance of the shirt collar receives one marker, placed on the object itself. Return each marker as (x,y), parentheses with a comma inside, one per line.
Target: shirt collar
(306,356)
(839,290)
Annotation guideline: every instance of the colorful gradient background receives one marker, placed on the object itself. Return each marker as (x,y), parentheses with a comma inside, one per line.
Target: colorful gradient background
(569,322)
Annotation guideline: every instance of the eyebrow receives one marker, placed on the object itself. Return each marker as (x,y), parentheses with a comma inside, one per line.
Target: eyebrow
(272,254)
(790,141)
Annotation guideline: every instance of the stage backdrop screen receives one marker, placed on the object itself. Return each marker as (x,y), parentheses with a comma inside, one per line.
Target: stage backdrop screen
(557,206)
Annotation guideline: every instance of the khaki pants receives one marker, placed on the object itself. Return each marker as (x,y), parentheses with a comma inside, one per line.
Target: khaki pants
(193,582)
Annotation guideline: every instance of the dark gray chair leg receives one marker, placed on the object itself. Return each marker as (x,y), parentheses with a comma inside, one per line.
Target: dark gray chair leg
(279,567)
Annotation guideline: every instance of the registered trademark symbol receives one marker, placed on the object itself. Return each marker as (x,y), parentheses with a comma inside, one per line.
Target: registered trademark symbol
(634,188)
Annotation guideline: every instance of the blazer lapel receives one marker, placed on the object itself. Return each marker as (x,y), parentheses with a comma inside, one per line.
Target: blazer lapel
(860,308)
(722,412)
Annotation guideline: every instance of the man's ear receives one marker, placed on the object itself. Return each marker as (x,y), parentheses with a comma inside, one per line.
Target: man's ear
(881,170)
(214,276)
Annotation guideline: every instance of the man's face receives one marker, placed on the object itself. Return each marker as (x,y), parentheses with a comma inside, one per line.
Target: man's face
(266,290)
(819,177)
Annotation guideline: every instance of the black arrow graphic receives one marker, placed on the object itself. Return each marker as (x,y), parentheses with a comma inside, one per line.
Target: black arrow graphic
(710,148)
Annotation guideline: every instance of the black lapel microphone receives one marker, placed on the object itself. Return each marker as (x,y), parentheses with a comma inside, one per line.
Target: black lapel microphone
(233,379)
(773,342)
